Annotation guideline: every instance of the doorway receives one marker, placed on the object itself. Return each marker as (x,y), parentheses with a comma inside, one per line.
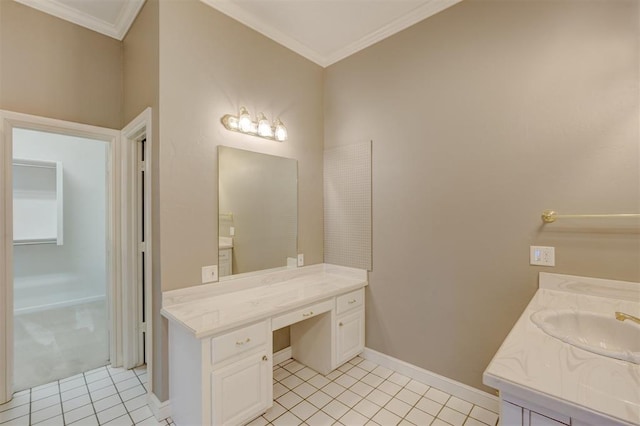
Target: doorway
(122,299)
(60,256)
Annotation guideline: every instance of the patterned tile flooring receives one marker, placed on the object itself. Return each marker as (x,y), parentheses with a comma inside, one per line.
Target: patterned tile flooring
(363,393)
(104,396)
(358,393)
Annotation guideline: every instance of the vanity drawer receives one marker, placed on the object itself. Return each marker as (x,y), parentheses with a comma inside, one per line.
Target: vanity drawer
(349,301)
(239,341)
(224,254)
(301,314)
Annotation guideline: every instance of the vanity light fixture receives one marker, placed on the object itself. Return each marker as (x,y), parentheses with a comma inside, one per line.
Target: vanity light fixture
(245,125)
(264,128)
(280,131)
(261,127)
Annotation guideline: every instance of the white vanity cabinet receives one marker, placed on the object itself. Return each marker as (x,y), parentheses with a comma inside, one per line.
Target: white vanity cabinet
(223,380)
(220,337)
(536,419)
(516,412)
(225,260)
(510,414)
(349,326)
(546,381)
(242,390)
(331,334)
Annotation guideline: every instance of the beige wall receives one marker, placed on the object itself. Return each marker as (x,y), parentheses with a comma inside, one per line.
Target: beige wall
(481,117)
(210,65)
(141,62)
(52,68)
(141,80)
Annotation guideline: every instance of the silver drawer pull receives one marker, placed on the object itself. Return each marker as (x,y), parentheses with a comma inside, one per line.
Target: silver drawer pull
(341,324)
(308,315)
(264,358)
(351,302)
(240,342)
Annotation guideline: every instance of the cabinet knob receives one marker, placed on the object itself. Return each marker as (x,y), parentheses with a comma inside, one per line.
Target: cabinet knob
(264,358)
(341,324)
(308,315)
(352,301)
(241,342)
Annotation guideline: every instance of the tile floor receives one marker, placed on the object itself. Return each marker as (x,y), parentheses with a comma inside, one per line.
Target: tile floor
(104,396)
(358,393)
(363,393)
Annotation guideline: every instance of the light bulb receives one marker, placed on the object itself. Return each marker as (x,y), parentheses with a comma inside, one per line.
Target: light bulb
(264,128)
(244,120)
(232,122)
(280,131)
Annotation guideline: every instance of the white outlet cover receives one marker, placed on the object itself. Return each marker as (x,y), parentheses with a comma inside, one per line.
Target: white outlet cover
(301,259)
(209,274)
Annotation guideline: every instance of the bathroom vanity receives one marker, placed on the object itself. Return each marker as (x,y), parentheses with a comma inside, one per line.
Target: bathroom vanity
(220,337)
(568,361)
(225,256)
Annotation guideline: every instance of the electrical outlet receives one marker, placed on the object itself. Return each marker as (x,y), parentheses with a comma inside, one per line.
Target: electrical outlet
(542,256)
(301,259)
(209,274)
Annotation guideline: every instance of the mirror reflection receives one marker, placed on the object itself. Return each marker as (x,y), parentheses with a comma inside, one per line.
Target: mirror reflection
(258,210)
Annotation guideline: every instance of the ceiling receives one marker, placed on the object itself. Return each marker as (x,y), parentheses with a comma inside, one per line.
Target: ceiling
(109,17)
(323,31)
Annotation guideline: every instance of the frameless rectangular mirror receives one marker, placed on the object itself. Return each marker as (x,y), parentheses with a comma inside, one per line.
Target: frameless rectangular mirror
(257,211)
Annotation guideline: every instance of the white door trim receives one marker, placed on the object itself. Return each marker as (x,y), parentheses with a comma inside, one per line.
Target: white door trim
(6,263)
(130,135)
(8,121)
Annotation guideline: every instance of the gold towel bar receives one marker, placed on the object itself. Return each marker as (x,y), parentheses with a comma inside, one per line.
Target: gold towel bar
(550,216)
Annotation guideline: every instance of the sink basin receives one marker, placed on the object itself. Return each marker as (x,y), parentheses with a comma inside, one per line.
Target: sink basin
(598,333)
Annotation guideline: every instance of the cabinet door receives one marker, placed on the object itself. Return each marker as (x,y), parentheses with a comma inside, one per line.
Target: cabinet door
(540,420)
(242,390)
(350,336)
(224,268)
(510,414)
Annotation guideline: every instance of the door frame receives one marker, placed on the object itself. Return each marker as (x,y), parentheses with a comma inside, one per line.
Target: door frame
(138,128)
(8,121)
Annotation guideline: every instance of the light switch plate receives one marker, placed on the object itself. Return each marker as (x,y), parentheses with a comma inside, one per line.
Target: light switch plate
(542,256)
(209,274)
(300,259)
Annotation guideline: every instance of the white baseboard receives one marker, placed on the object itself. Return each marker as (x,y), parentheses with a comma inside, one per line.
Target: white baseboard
(282,355)
(160,410)
(452,387)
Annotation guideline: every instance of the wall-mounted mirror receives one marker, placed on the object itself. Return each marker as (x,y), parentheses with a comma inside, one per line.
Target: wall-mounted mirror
(257,210)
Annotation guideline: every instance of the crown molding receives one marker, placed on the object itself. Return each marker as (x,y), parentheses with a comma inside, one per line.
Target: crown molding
(115,30)
(428,9)
(231,9)
(240,14)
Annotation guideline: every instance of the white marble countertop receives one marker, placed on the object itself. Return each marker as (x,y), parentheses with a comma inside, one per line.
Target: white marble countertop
(225,242)
(544,370)
(209,309)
